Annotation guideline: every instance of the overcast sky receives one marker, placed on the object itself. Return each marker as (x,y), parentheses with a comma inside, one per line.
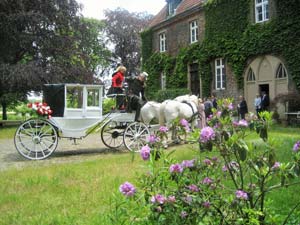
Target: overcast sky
(94,8)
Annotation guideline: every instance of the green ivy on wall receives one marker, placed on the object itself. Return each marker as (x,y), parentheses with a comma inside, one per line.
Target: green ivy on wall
(231,33)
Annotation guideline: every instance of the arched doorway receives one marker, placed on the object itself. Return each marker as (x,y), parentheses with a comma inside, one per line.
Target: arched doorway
(265,73)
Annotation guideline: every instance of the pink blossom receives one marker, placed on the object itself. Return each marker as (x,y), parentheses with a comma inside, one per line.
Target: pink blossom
(207,134)
(207,181)
(296,146)
(224,168)
(276,165)
(158,199)
(206,204)
(163,129)
(207,162)
(193,188)
(176,168)
(243,123)
(188,163)
(241,195)
(171,199)
(153,139)
(127,189)
(184,123)
(145,152)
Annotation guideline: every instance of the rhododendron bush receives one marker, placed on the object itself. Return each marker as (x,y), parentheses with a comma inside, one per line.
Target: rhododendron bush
(228,185)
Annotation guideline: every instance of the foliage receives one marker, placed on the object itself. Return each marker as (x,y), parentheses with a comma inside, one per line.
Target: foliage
(146,49)
(108,105)
(164,65)
(123,29)
(84,182)
(162,95)
(91,44)
(23,110)
(230,33)
(45,42)
(230,187)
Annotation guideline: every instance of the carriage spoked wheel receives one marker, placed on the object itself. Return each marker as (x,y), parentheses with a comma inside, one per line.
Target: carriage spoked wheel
(136,136)
(112,134)
(36,139)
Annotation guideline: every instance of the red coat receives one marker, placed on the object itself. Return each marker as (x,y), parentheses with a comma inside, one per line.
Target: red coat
(117,79)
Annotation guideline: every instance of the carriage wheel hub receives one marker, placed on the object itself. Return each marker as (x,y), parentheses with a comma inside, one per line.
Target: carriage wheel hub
(136,136)
(36,139)
(115,134)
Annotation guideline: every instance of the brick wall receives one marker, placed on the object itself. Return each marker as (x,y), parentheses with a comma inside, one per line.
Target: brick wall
(177,32)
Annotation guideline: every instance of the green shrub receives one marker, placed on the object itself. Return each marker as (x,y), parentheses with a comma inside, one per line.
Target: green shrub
(162,95)
(23,110)
(108,105)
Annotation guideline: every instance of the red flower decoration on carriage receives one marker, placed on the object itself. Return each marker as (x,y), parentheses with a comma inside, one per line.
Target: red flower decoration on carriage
(42,109)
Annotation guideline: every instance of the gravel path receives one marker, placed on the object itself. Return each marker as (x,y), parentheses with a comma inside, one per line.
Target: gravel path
(87,148)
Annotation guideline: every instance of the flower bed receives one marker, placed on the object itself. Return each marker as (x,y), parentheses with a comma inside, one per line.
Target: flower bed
(230,187)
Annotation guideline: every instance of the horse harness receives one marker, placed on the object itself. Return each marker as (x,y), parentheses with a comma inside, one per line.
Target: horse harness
(194,113)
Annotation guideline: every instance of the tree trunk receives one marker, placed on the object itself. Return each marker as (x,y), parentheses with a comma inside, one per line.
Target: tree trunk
(4,110)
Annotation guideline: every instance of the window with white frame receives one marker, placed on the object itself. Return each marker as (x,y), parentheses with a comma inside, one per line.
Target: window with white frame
(193,31)
(220,74)
(162,42)
(261,10)
(163,81)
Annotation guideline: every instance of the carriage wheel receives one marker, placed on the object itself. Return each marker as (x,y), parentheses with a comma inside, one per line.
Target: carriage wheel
(36,139)
(112,134)
(135,136)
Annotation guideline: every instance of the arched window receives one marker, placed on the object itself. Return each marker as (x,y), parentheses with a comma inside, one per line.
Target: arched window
(250,75)
(281,71)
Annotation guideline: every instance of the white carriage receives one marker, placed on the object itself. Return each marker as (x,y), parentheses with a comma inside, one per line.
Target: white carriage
(77,112)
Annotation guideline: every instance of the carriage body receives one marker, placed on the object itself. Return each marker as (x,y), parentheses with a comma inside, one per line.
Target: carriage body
(76,107)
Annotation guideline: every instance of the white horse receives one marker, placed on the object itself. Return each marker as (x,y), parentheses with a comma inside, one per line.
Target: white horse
(187,98)
(150,111)
(182,107)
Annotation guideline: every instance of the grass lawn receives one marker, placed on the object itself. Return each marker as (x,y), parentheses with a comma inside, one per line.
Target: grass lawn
(79,193)
(7,132)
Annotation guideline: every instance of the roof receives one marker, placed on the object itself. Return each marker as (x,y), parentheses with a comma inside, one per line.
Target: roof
(183,6)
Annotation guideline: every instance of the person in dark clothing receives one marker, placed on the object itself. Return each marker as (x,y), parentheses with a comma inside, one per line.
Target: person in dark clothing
(214,101)
(137,95)
(265,102)
(242,107)
(208,105)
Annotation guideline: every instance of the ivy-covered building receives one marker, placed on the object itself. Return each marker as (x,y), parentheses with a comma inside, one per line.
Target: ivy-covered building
(225,47)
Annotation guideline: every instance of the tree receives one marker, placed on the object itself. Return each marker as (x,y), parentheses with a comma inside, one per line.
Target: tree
(123,30)
(45,42)
(92,46)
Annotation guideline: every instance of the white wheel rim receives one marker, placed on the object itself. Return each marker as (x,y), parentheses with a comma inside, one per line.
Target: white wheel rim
(136,136)
(36,139)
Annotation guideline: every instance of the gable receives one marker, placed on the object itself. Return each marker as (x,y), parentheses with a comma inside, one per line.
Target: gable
(184,6)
